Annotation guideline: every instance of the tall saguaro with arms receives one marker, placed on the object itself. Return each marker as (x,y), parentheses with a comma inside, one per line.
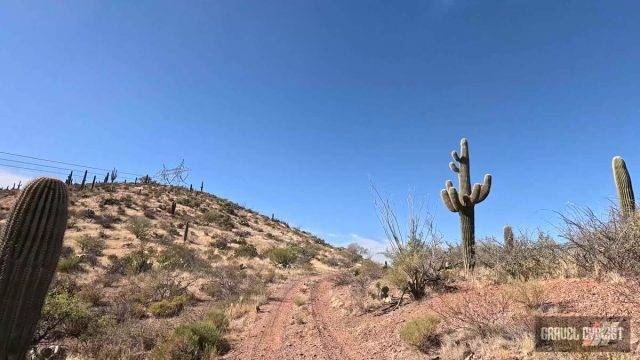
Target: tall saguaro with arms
(464,200)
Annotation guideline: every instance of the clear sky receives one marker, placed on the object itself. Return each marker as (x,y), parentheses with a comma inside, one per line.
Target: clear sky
(292,107)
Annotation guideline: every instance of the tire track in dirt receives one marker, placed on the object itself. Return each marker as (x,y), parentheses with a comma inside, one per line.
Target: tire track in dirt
(268,333)
(335,342)
(276,335)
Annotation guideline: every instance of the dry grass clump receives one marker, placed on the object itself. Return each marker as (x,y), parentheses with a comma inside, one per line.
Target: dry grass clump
(528,293)
(422,332)
(168,307)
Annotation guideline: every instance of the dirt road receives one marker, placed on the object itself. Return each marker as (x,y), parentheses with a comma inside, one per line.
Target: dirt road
(299,323)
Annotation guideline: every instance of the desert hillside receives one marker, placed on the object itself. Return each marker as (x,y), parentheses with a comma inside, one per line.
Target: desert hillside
(136,273)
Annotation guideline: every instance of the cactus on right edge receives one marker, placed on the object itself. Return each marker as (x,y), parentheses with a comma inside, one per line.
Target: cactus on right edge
(29,251)
(623,186)
(508,238)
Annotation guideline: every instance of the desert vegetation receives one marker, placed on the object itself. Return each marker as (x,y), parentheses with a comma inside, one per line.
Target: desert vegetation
(478,298)
(143,270)
(139,270)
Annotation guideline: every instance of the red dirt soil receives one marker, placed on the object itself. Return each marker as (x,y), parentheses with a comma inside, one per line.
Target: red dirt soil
(328,332)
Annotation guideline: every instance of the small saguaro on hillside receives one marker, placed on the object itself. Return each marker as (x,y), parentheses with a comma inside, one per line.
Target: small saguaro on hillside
(464,201)
(623,186)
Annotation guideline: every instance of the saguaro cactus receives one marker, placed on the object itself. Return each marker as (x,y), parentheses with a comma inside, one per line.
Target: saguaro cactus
(93,183)
(202,186)
(84,180)
(29,253)
(508,238)
(70,178)
(623,186)
(186,232)
(464,201)
(173,208)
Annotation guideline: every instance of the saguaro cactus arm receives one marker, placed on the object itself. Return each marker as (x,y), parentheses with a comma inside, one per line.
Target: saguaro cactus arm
(29,251)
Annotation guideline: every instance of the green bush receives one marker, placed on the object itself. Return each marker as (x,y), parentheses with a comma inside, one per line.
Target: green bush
(181,257)
(137,261)
(63,315)
(219,219)
(70,264)
(422,332)
(168,307)
(140,227)
(193,341)
(218,317)
(90,245)
(246,250)
(284,257)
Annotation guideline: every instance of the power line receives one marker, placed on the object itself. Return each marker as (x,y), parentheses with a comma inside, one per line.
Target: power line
(48,166)
(32,169)
(78,174)
(65,163)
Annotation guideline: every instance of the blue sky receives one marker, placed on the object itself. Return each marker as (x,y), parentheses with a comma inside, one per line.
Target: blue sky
(292,107)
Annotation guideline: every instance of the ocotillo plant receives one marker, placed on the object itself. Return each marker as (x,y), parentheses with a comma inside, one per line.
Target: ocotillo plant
(29,251)
(508,238)
(19,184)
(623,186)
(464,201)
(84,180)
(186,232)
(114,175)
(173,208)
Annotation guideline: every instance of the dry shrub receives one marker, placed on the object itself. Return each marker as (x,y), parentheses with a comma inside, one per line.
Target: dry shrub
(230,284)
(90,245)
(528,293)
(482,312)
(606,245)
(125,341)
(181,257)
(145,289)
(418,256)
(529,258)
(140,227)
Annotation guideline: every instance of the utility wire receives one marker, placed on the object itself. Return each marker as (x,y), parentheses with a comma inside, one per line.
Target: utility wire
(49,166)
(78,175)
(65,163)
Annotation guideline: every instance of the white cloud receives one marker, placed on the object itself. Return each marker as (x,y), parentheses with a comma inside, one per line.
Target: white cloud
(8,179)
(376,247)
